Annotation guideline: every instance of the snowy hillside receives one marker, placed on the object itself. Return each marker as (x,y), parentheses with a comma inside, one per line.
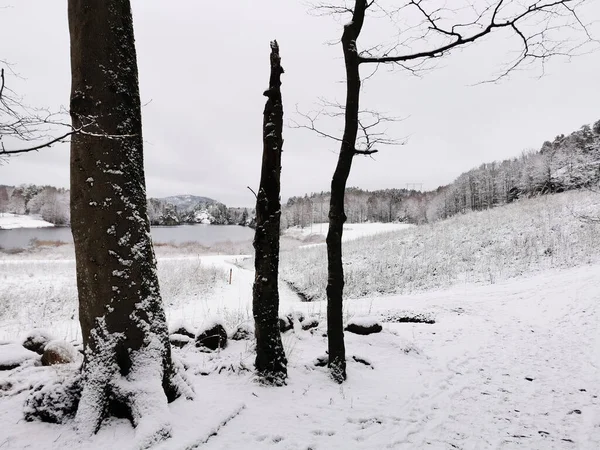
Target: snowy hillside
(187,202)
(479,247)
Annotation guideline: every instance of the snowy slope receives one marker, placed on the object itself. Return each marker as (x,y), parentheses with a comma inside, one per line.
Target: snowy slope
(9,221)
(479,247)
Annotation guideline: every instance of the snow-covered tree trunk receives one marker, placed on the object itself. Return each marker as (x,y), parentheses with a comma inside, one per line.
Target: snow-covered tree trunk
(271,363)
(128,370)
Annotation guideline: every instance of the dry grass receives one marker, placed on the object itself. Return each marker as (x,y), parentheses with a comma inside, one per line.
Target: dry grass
(37,243)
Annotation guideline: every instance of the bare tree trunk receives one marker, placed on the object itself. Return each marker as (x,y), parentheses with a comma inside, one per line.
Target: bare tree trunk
(271,363)
(128,370)
(337,216)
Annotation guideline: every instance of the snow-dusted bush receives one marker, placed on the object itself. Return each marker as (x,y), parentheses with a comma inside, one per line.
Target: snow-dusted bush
(54,402)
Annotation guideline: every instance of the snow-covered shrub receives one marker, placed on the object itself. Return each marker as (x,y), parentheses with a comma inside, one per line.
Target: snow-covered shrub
(54,402)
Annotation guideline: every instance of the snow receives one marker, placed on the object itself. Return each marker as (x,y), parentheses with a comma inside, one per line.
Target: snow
(10,221)
(365,322)
(13,355)
(509,364)
(351,230)
(462,382)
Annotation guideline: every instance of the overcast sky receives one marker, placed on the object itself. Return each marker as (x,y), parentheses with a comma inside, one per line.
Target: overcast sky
(204,65)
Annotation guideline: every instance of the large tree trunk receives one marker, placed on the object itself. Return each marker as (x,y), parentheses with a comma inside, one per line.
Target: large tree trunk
(271,363)
(127,368)
(337,216)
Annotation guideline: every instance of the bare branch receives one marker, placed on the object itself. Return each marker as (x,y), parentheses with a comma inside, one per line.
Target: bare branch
(50,143)
(252,190)
(39,126)
(551,16)
(370,125)
(310,120)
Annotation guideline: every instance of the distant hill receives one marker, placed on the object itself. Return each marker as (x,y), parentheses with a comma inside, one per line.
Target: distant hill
(188,202)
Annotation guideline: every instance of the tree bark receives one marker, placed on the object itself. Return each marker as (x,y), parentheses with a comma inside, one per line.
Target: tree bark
(127,370)
(337,216)
(271,363)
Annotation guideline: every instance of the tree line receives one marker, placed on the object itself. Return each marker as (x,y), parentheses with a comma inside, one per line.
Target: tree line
(567,162)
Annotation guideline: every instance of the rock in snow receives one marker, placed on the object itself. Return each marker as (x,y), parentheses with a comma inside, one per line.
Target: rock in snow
(364,326)
(36,340)
(58,352)
(285,324)
(180,327)
(212,336)
(309,324)
(180,340)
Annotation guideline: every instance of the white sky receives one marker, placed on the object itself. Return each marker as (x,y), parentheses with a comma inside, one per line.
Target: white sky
(204,65)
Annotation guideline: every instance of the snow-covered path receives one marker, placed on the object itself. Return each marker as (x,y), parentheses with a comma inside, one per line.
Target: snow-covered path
(526,367)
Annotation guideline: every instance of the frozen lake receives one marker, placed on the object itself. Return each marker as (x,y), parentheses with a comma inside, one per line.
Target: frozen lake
(203,234)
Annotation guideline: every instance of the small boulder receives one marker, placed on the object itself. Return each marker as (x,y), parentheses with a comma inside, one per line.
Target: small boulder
(13,355)
(182,328)
(36,340)
(243,331)
(58,352)
(180,340)
(212,336)
(309,324)
(285,324)
(363,326)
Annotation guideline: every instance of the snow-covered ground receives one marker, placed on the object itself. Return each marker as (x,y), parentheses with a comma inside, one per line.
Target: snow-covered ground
(513,365)
(351,230)
(9,221)
(509,365)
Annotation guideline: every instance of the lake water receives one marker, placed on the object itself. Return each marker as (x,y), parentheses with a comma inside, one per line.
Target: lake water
(203,234)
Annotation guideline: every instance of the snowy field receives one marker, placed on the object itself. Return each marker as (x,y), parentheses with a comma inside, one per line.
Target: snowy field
(511,363)
(318,231)
(9,221)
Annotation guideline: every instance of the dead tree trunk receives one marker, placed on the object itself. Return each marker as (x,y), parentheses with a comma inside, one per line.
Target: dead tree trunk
(271,363)
(337,216)
(128,370)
